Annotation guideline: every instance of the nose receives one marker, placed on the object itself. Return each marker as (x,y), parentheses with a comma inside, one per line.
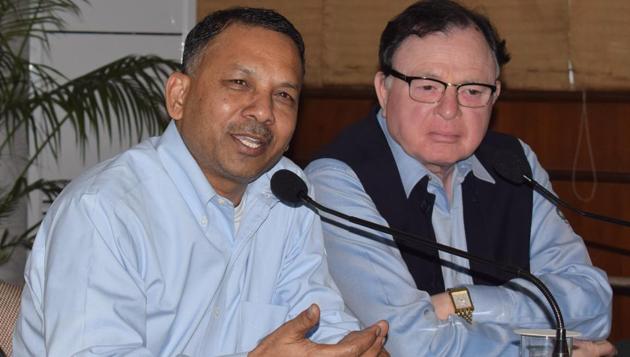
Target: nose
(260,108)
(448,106)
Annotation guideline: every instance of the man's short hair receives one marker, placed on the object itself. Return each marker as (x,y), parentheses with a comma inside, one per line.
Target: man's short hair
(430,16)
(213,24)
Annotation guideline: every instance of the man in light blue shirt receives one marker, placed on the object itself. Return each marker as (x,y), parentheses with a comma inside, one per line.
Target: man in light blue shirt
(177,246)
(439,64)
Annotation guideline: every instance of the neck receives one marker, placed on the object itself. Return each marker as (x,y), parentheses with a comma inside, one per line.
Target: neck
(445,174)
(230,190)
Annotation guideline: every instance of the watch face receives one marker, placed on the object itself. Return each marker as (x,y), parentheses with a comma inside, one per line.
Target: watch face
(460,300)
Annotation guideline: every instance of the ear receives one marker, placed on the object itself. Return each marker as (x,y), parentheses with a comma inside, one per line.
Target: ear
(497,92)
(177,87)
(382,92)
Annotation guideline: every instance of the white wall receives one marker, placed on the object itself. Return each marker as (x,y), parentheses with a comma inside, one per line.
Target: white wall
(105,31)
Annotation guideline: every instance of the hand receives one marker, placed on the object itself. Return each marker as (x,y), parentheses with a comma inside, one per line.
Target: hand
(593,348)
(443,305)
(289,340)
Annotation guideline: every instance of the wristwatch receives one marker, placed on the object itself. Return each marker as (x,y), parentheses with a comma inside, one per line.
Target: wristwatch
(462,303)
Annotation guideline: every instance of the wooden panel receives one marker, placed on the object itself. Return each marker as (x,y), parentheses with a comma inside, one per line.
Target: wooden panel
(553,130)
(320,120)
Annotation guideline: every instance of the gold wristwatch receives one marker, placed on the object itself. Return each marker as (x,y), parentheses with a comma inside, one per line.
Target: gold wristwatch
(462,303)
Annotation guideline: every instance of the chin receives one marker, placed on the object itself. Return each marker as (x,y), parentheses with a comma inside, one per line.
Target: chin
(250,169)
(248,175)
(443,160)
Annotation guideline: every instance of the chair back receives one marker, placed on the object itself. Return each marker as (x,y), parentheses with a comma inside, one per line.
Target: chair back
(9,307)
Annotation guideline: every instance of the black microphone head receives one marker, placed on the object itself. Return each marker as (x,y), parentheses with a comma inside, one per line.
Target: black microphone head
(288,187)
(510,166)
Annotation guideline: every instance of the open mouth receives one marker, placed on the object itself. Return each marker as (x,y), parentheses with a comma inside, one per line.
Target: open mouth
(249,141)
(253,138)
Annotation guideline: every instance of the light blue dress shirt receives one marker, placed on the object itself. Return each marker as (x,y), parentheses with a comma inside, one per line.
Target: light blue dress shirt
(376,283)
(139,257)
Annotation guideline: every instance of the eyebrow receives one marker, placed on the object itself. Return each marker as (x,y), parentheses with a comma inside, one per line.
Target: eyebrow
(248,71)
(434,75)
(290,85)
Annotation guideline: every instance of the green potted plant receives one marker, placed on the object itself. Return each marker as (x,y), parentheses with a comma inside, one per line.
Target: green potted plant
(36,100)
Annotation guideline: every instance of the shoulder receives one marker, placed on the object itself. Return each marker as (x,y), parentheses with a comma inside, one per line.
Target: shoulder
(109,205)
(113,181)
(323,170)
(354,140)
(263,183)
(286,164)
(120,173)
(501,140)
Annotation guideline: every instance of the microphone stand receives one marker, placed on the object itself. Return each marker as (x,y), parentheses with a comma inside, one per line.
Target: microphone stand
(561,348)
(558,202)
(515,170)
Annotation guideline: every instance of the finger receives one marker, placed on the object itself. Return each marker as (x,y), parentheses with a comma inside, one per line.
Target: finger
(384,325)
(296,328)
(593,348)
(290,338)
(366,342)
(605,348)
(377,348)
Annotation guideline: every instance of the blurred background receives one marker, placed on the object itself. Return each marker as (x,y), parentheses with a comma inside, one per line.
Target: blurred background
(566,92)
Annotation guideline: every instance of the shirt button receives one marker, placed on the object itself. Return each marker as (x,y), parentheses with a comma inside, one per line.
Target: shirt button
(221,201)
(203,221)
(216,313)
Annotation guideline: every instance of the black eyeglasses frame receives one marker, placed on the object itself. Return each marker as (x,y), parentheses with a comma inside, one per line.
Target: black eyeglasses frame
(409,79)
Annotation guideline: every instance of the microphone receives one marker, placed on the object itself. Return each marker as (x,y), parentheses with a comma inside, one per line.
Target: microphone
(290,189)
(514,169)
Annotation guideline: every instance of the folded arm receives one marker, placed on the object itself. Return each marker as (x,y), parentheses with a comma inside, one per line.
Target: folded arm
(376,283)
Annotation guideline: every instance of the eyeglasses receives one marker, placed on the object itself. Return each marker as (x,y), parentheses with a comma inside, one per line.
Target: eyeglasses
(430,90)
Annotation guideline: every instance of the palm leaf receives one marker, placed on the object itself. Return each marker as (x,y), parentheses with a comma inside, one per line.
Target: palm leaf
(21,21)
(21,188)
(37,100)
(130,88)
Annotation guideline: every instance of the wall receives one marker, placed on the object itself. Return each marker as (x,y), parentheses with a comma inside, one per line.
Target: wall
(105,31)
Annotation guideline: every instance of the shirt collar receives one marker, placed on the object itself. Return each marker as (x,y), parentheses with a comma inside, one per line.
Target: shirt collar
(190,179)
(411,170)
